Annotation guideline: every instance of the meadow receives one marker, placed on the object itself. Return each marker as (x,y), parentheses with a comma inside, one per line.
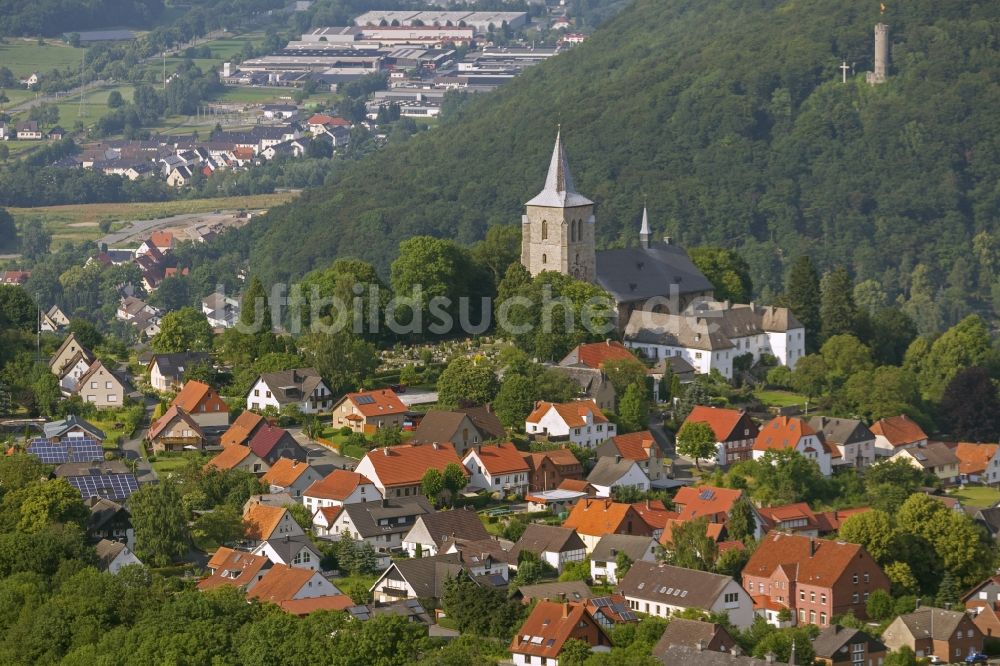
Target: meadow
(24,56)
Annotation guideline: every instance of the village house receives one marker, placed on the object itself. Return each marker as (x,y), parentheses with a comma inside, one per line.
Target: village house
(945,634)
(176,430)
(735,432)
(431,530)
(221,311)
(102,387)
(110,520)
(338,488)
(72,428)
(421,578)
(849,441)
(242,429)
(166,371)
(895,433)
(15,278)
(293,551)
(481,557)
(556,546)
(301,387)
(612,472)
(368,411)
(67,354)
(398,471)
(580,422)
(454,427)
(548,469)
(662,590)
(844,646)
(381,524)
(557,501)
(73,371)
(643,448)
(978,463)
(789,433)
(696,634)
(594,518)
(585,365)
(270,443)
(716,532)
(234,567)
(112,556)
(612,547)
(499,467)
(655,514)
(262,522)
(299,591)
(543,634)
(572,590)
(203,404)
(799,518)
(28,130)
(715,503)
(594,385)
(53,320)
(814,579)
(933,457)
(238,456)
(291,476)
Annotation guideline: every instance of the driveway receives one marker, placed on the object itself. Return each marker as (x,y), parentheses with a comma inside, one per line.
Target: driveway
(323,459)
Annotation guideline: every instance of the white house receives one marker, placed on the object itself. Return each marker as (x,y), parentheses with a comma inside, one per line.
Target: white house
(340,487)
(711,335)
(297,552)
(850,441)
(113,555)
(291,587)
(499,467)
(662,590)
(221,311)
(431,530)
(556,546)
(74,370)
(611,547)
(788,432)
(302,387)
(581,422)
(291,476)
(617,472)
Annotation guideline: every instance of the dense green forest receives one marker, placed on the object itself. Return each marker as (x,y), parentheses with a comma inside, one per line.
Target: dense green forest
(51,17)
(730,117)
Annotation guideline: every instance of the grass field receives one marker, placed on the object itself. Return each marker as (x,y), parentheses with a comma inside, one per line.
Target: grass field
(24,56)
(80,221)
(780,398)
(95,105)
(977,496)
(16,96)
(166,463)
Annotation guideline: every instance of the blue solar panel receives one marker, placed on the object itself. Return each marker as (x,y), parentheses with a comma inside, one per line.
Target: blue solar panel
(108,486)
(364,400)
(75,450)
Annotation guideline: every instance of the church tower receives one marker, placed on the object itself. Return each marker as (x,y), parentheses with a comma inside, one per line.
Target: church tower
(557,228)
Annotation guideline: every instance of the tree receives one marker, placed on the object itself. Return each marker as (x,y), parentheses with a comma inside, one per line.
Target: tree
(432,483)
(35,240)
(731,562)
(86,333)
(48,502)
(883,392)
(633,409)
(810,376)
(576,571)
(17,309)
(904,656)
(115,100)
(785,476)
(186,329)
(838,312)
(696,440)
(223,525)
(873,530)
(515,400)
(970,406)
(161,534)
(742,523)
(498,250)
(466,382)
(8,232)
(779,643)
(690,546)
(622,564)
(301,515)
(172,293)
(844,356)
(255,309)
(728,272)
(964,345)
(892,331)
(454,479)
(19,470)
(342,359)
(575,652)
(624,372)
(480,610)
(802,296)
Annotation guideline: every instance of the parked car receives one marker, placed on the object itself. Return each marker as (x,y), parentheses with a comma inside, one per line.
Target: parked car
(976,658)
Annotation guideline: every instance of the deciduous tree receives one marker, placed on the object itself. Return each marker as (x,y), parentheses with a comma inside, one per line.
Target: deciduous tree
(696,440)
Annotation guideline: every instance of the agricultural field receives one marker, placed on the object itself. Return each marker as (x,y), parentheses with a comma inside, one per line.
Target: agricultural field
(24,56)
(82,222)
(95,105)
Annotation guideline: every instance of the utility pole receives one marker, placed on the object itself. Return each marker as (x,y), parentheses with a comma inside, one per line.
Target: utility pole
(164,70)
(83,84)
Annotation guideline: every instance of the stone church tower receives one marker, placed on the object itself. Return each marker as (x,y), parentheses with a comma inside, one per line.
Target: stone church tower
(557,229)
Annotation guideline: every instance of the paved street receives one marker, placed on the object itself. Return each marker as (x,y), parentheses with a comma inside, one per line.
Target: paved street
(320,457)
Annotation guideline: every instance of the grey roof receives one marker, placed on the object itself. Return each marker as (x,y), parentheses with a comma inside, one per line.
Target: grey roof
(710,326)
(408,608)
(439,426)
(692,656)
(689,633)
(288,547)
(547,538)
(608,471)
(672,585)
(58,428)
(591,380)
(989,517)
(427,575)
(935,623)
(292,386)
(486,421)
(559,191)
(637,273)
(934,454)
(574,590)
(610,545)
(107,551)
(841,431)
(366,515)
(457,523)
(174,365)
(677,365)
(834,637)
(102,512)
(87,469)
(475,551)
(269,499)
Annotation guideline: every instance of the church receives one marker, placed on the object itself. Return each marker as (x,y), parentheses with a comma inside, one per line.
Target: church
(665,304)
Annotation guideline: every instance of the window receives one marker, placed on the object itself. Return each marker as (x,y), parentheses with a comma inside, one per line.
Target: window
(108,385)
(111,397)
(855,579)
(267,394)
(545,259)
(545,234)
(802,615)
(732,599)
(855,598)
(866,578)
(812,597)
(822,618)
(812,617)
(802,595)
(822,599)
(93,385)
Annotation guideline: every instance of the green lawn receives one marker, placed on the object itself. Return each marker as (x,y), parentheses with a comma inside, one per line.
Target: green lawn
(980,496)
(254,95)
(780,398)
(95,105)
(24,56)
(166,463)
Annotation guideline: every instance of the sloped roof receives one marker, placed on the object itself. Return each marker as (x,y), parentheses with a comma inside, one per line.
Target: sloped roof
(107,551)
(598,517)
(548,627)
(573,590)
(676,586)
(819,562)
(102,511)
(841,431)
(230,457)
(929,622)
(427,575)
(834,637)
(233,567)
(62,426)
(266,438)
(576,485)
(610,545)
(377,403)
(608,471)
(337,602)
(292,386)
(691,633)
(933,454)
(632,446)
(654,513)
(595,355)
(692,656)
(973,458)
(539,538)
(501,459)
(457,523)
(782,432)
(559,457)
(485,420)
(722,421)
(337,485)
(280,583)
(192,394)
(406,464)
(775,515)
(694,502)
(712,530)
(173,414)
(439,426)
(365,516)
(175,364)
(260,520)
(574,414)
(899,430)
(559,191)
(242,428)
(284,472)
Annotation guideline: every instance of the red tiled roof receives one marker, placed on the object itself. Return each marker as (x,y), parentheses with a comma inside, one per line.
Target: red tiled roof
(241,429)
(169,417)
(899,430)
(337,602)
(576,485)
(265,439)
(194,394)
(973,458)
(226,562)
(337,485)
(382,401)
(595,355)
(330,513)
(654,513)
(712,530)
(284,472)
(597,517)
(405,465)
(229,458)
(716,503)
(775,515)
(574,413)
(634,445)
(558,457)
(280,584)
(323,119)
(501,458)
(548,627)
(722,421)
(830,521)
(782,432)
(821,562)
(260,520)
(162,239)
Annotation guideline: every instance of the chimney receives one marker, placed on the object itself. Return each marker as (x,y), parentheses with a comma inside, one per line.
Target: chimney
(618,458)
(647,503)
(812,546)
(565,610)
(435,445)
(385,450)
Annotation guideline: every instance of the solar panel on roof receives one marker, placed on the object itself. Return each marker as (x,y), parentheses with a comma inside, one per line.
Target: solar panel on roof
(107,486)
(364,400)
(80,450)
(706,495)
(600,602)
(629,616)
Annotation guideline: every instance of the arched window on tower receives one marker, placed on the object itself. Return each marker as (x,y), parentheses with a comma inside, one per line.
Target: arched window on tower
(545,229)
(545,258)
(572,232)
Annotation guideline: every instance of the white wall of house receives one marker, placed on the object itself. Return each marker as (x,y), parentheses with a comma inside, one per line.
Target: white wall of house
(158,381)
(306,479)
(589,435)
(528,660)
(70,379)
(123,559)
(479,476)
(734,601)
(304,559)
(365,492)
(634,477)
(317,586)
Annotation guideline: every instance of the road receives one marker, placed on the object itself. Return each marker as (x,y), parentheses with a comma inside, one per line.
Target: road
(140,228)
(133,450)
(320,457)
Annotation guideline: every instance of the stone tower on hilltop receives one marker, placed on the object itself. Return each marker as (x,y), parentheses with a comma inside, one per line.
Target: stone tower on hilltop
(881,69)
(557,228)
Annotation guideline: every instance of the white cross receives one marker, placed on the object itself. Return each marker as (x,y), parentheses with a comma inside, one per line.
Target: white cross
(843,68)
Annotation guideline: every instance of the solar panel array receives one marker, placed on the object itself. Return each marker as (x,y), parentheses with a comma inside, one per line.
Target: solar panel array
(79,450)
(364,400)
(108,486)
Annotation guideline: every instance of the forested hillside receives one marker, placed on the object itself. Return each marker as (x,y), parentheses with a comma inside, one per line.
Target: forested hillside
(51,17)
(768,153)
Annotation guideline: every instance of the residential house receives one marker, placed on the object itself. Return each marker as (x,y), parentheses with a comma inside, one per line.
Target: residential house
(486,421)
(735,432)
(611,610)
(54,320)
(302,387)
(454,427)
(238,457)
(72,428)
(431,530)
(29,131)
(790,433)
(203,404)
(180,176)
(484,559)
(66,354)
(844,646)
(293,551)
(382,524)
(368,411)
(548,469)
(16,278)
(895,433)
(596,354)
(933,457)
(594,385)
(580,422)
(643,448)
(543,634)
(102,387)
(221,311)
(663,590)
(594,518)
(946,634)
(291,476)
(176,430)
(655,514)
(298,591)
(166,371)
(713,502)
(497,467)
(340,487)
(77,367)
(557,501)
(324,519)
(983,601)
(556,546)
(269,523)
(799,518)
(421,578)
(850,441)
(815,579)
(110,520)
(242,429)
(398,471)
(716,532)
(612,547)
(131,307)
(617,472)
(270,443)
(989,519)
(696,634)
(234,567)
(573,590)
(110,479)
(978,463)
(112,556)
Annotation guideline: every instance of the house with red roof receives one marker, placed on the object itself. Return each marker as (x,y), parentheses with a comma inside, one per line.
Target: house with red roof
(735,432)
(262,522)
(799,518)
(595,355)
(580,422)
(548,469)
(238,457)
(497,467)
(789,433)
(543,634)
(895,433)
(594,518)
(242,429)
(815,579)
(176,430)
(234,567)
(978,463)
(368,411)
(398,471)
(291,476)
(299,591)
(271,442)
(642,448)
(203,403)
(340,487)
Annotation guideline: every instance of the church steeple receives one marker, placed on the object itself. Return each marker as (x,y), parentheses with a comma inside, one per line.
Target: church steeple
(559,191)
(645,235)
